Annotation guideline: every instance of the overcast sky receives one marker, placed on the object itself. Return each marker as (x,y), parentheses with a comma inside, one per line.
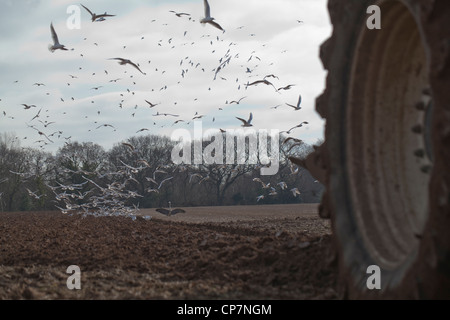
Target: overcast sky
(179,57)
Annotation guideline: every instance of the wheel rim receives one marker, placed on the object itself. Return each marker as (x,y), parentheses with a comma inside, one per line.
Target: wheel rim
(388,158)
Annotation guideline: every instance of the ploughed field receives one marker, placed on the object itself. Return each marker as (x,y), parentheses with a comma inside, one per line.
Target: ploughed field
(239,252)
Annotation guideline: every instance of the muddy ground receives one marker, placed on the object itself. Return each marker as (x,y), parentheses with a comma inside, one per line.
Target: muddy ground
(251,252)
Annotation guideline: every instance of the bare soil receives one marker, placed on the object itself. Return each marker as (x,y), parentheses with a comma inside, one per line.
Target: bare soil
(244,252)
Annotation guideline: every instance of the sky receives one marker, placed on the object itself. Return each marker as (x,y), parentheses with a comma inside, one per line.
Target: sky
(87,97)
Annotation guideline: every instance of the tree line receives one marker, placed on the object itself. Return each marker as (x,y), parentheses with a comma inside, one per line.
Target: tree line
(139,173)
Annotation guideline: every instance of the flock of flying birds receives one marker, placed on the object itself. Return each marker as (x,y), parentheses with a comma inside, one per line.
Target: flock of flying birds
(112,197)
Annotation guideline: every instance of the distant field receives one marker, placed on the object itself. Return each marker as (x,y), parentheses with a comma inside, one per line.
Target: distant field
(238,213)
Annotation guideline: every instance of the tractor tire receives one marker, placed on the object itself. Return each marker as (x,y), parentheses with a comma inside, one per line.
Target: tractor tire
(385,161)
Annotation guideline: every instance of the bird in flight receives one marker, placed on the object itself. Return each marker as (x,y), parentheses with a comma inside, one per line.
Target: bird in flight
(126,61)
(106,125)
(179,14)
(208,18)
(282,185)
(264,185)
(41,133)
(37,115)
(170,211)
(151,104)
(178,121)
(297,126)
(26,107)
(293,139)
(270,76)
(129,146)
(246,123)
(237,102)
(297,107)
(56,45)
(165,114)
(286,87)
(264,81)
(196,116)
(98,17)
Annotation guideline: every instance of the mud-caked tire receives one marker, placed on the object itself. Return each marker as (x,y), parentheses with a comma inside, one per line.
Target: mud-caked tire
(386,157)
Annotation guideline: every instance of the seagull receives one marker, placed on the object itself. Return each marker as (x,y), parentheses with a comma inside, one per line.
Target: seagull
(33,194)
(56,45)
(167,179)
(295,191)
(246,123)
(286,87)
(26,107)
(98,17)
(282,184)
(144,162)
(46,124)
(264,186)
(296,108)
(41,133)
(297,126)
(165,114)
(179,14)
(271,76)
(128,145)
(239,101)
(264,81)
(106,125)
(208,18)
(37,115)
(151,180)
(157,171)
(272,192)
(126,61)
(293,170)
(178,121)
(293,139)
(151,104)
(170,211)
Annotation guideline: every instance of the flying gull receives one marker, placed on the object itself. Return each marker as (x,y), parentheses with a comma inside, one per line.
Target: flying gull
(98,17)
(56,45)
(126,61)
(170,211)
(246,123)
(179,14)
(208,18)
(297,107)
